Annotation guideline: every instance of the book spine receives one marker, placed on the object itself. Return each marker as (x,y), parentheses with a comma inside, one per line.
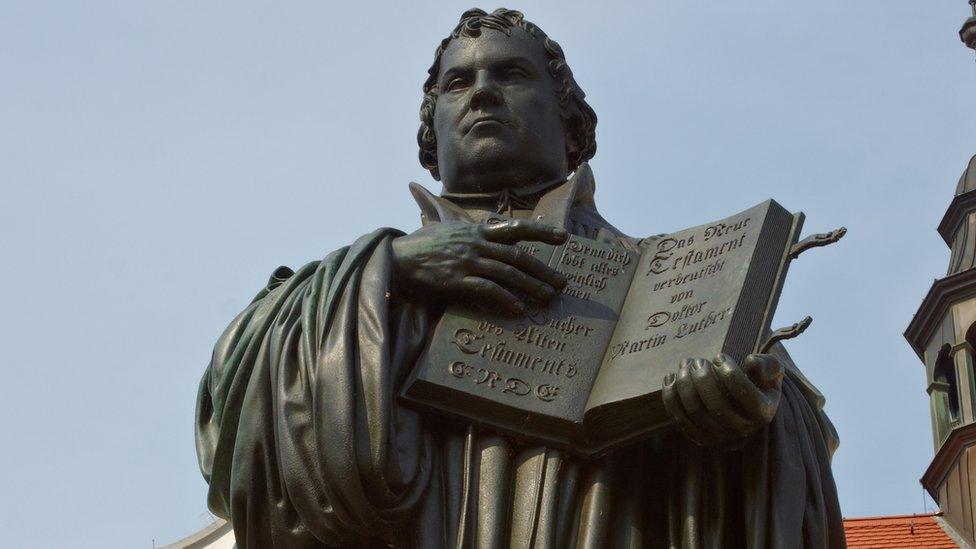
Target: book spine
(761,284)
(784,265)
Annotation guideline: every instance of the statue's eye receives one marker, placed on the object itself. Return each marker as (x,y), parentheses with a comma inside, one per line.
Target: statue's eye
(514,73)
(455,83)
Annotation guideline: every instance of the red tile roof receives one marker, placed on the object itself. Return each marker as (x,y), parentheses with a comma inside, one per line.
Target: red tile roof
(898,531)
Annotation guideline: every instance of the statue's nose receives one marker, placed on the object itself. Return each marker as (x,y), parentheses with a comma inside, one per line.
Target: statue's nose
(485,92)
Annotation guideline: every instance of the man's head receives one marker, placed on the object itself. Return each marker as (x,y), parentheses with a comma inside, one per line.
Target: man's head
(501,108)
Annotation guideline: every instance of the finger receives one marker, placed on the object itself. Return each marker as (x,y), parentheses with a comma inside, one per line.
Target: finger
(672,403)
(752,402)
(693,405)
(490,293)
(513,255)
(718,402)
(510,277)
(516,230)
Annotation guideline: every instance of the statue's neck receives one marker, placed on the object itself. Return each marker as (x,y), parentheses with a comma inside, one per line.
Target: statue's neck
(548,202)
(506,200)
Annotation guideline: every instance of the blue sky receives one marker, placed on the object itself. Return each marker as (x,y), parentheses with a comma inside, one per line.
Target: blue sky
(159,159)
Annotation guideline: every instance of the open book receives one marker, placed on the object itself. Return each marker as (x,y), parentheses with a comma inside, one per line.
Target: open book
(584,372)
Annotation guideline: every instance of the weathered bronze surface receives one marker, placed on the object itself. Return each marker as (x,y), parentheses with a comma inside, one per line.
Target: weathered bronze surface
(585,371)
(305,442)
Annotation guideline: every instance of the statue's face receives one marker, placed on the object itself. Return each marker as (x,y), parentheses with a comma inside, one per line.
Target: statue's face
(497,119)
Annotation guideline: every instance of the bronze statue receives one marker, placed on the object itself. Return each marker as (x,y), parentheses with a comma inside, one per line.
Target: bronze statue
(299,430)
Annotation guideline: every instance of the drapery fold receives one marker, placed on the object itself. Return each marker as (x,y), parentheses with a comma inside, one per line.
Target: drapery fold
(296,431)
(304,445)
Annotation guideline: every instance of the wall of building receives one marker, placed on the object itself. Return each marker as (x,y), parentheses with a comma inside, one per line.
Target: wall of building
(956,496)
(219,535)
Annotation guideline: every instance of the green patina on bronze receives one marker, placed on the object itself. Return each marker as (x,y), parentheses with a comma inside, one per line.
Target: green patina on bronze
(305,443)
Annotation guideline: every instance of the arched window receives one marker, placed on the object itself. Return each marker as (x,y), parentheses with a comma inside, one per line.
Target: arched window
(945,377)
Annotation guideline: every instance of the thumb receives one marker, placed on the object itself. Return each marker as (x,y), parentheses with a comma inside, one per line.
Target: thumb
(764,370)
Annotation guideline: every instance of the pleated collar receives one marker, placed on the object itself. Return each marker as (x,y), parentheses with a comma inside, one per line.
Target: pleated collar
(550,202)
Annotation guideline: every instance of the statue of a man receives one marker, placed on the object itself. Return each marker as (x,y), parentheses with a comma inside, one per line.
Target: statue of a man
(299,430)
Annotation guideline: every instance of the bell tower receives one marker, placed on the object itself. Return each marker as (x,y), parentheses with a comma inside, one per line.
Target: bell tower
(943,335)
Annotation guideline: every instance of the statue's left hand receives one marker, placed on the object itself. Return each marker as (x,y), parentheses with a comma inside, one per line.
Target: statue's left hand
(716,402)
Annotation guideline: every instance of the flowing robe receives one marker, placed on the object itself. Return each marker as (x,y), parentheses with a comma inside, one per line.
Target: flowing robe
(303,443)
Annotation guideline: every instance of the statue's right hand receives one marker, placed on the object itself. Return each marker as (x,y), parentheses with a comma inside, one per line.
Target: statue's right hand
(476,264)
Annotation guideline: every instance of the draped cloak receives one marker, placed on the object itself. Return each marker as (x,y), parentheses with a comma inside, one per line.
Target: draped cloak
(304,444)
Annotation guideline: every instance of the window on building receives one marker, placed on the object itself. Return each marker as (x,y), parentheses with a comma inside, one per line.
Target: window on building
(948,383)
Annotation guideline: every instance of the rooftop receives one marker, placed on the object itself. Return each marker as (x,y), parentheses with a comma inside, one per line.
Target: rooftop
(967,181)
(897,531)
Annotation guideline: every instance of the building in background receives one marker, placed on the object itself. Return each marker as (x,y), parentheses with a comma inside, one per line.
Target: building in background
(219,535)
(943,335)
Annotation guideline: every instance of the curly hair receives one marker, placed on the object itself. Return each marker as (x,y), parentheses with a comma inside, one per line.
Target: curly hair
(578,117)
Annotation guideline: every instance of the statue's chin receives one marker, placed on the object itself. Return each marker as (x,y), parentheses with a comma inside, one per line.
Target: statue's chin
(490,181)
(491,151)
(493,163)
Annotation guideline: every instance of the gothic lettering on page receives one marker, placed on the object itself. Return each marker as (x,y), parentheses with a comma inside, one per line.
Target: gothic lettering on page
(675,295)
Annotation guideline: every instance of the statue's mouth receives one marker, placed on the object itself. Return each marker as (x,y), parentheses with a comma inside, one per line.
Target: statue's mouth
(488,121)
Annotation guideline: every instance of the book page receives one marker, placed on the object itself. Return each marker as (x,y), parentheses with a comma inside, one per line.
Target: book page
(544,362)
(680,305)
